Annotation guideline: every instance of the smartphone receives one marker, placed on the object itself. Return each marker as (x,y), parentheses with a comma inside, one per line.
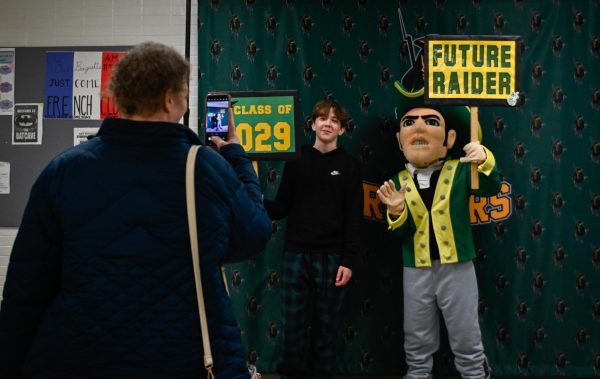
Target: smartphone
(217,117)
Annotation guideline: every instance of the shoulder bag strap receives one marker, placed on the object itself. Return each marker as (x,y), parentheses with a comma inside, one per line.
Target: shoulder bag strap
(190,196)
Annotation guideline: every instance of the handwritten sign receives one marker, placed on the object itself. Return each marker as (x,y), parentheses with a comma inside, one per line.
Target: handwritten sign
(58,91)
(472,70)
(107,106)
(87,72)
(75,84)
(265,123)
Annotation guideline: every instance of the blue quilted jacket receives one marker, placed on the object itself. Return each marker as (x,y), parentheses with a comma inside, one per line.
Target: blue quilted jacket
(100,280)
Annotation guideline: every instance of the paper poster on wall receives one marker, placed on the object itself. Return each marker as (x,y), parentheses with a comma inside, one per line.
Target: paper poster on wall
(107,105)
(80,135)
(7,81)
(87,73)
(4,178)
(75,84)
(27,124)
(58,89)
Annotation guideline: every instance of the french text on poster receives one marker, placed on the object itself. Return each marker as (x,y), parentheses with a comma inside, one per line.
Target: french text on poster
(75,84)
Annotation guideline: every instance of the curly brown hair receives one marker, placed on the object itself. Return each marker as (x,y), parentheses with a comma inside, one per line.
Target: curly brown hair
(322,107)
(143,76)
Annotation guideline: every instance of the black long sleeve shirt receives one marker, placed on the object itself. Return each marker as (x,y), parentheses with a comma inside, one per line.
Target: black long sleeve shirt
(321,194)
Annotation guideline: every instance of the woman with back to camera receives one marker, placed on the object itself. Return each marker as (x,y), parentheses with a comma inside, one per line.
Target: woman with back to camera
(100,281)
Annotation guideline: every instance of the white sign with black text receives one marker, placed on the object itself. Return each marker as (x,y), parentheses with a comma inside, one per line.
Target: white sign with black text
(27,124)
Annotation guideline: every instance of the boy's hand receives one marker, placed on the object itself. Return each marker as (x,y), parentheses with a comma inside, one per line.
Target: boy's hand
(343,276)
(475,153)
(393,199)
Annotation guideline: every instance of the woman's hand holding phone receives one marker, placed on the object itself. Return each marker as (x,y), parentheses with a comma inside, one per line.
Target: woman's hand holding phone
(219,125)
(232,136)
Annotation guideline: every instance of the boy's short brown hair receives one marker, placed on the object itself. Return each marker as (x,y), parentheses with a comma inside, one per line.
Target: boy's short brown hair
(322,107)
(143,76)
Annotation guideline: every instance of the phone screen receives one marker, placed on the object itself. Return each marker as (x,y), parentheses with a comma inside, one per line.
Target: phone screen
(217,116)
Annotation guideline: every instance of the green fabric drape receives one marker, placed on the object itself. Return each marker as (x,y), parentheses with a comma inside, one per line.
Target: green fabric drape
(538,269)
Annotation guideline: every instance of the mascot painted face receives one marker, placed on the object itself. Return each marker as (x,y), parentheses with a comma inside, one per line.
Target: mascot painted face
(423,138)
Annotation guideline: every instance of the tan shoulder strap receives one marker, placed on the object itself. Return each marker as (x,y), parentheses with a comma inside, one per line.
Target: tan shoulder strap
(190,196)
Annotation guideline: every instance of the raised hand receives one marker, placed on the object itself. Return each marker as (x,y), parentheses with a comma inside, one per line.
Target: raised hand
(392,198)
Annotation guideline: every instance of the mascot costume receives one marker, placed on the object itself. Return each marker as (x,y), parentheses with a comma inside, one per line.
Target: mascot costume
(428,208)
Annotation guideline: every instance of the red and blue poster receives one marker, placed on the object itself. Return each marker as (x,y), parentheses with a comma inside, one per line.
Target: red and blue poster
(58,93)
(76,82)
(107,106)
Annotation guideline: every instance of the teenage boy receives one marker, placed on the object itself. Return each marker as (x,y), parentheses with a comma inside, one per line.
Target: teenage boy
(428,207)
(321,195)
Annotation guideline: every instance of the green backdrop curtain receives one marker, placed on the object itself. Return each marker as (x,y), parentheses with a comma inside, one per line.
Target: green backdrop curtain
(538,269)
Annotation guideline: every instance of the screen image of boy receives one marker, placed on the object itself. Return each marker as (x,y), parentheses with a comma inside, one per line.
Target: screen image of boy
(216,116)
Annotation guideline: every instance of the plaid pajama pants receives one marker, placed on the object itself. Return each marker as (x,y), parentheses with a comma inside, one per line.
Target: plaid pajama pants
(311,315)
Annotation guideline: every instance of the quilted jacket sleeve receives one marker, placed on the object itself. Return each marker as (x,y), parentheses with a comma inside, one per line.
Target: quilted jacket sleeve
(32,279)
(251,226)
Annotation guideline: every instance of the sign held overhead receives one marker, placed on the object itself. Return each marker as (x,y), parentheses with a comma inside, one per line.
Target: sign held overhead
(472,70)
